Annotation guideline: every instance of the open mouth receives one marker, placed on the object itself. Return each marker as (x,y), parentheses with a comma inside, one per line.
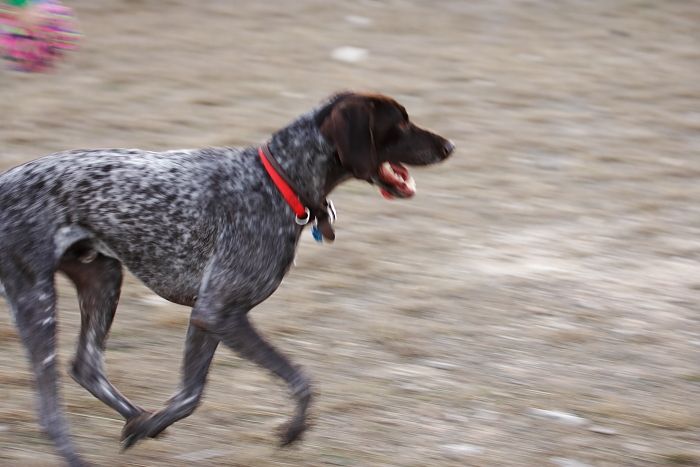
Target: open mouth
(394,181)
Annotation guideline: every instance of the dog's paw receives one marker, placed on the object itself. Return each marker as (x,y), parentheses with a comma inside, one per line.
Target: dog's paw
(136,429)
(292,431)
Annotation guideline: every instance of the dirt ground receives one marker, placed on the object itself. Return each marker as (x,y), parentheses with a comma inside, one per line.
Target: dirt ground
(535,304)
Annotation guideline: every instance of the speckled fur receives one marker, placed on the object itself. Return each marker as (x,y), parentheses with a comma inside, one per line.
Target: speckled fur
(205,228)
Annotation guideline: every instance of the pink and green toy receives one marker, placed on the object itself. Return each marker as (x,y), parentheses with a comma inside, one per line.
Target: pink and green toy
(35,34)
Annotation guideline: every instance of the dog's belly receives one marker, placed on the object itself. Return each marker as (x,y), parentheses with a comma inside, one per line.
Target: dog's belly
(172,270)
(180,286)
(169,258)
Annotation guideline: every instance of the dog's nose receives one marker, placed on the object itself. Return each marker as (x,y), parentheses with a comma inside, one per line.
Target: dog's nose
(448,148)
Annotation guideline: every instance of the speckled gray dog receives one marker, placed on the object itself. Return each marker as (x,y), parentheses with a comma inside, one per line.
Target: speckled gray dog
(205,228)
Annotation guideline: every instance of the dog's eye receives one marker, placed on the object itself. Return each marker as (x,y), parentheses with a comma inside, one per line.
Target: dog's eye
(405,126)
(396,132)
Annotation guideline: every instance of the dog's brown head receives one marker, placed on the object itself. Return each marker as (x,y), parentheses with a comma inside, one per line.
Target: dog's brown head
(374,138)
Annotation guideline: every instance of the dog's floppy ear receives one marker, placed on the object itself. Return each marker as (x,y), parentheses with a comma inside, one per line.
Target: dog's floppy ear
(350,128)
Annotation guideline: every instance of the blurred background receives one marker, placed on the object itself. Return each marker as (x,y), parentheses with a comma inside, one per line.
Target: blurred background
(535,304)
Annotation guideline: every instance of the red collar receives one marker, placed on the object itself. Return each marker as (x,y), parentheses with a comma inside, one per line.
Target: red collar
(324,216)
(303,214)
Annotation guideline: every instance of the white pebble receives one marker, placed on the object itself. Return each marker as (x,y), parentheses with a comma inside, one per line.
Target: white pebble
(563,417)
(440,365)
(564,462)
(603,430)
(349,54)
(358,20)
(459,450)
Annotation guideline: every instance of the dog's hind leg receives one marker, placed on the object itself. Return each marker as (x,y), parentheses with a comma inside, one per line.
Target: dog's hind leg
(33,299)
(98,280)
(199,351)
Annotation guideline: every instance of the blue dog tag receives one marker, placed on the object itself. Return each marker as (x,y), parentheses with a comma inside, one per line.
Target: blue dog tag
(316,234)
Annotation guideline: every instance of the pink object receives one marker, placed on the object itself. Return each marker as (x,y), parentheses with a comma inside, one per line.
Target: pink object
(37,48)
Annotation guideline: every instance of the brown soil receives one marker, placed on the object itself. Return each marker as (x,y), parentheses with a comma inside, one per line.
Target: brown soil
(552,264)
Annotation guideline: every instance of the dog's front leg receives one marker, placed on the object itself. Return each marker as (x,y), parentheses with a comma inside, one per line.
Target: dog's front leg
(238,334)
(199,351)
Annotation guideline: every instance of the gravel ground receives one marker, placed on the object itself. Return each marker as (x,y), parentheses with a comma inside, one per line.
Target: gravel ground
(535,304)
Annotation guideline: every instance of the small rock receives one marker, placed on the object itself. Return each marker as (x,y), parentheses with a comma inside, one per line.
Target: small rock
(460,450)
(440,365)
(603,430)
(564,462)
(639,446)
(349,54)
(530,57)
(563,417)
(487,415)
(356,20)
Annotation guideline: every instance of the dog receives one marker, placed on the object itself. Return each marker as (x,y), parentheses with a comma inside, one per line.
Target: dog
(214,229)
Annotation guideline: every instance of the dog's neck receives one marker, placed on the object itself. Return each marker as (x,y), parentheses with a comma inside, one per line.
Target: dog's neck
(308,160)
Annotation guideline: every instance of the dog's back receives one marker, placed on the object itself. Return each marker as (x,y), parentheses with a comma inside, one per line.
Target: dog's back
(153,211)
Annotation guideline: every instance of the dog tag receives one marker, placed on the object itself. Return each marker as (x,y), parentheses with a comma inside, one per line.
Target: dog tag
(316,233)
